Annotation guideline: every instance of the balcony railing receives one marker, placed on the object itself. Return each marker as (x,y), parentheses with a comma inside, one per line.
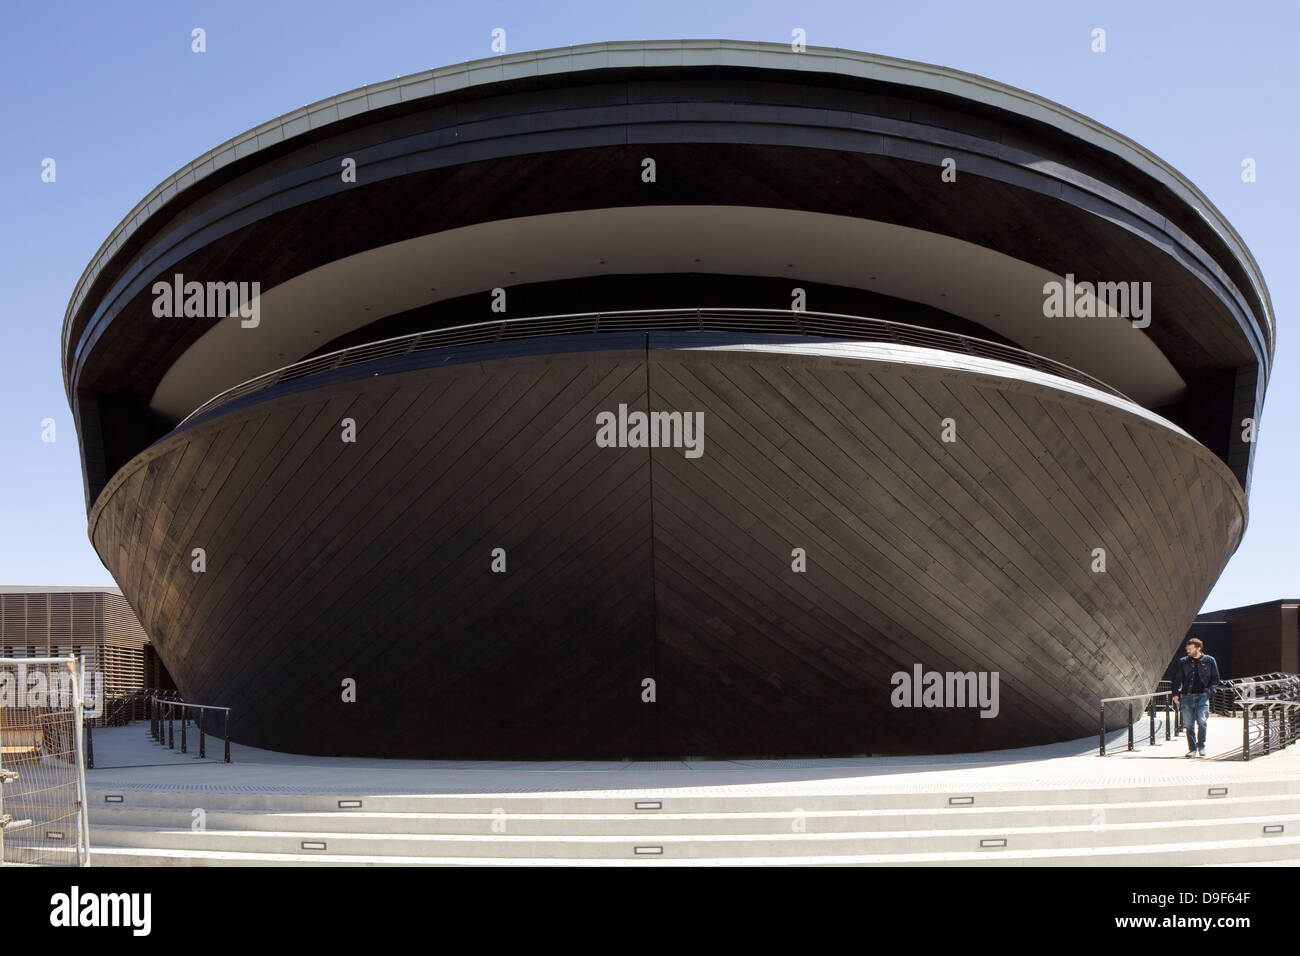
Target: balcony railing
(760,321)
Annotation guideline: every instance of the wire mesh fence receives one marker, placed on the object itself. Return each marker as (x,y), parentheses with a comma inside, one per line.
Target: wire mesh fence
(42,778)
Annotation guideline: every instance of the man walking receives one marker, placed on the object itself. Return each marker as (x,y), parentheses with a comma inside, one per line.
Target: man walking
(1195,678)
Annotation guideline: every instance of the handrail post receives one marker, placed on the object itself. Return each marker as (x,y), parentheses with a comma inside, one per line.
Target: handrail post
(1169,716)
(185,719)
(1151,712)
(1103,730)
(202,752)
(171,729)
(1130,725)
(227,735)
(1245,730)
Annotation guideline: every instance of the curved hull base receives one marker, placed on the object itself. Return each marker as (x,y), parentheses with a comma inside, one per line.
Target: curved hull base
(372,565)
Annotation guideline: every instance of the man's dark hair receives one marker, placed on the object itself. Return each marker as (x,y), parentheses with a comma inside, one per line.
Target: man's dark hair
(1196,641)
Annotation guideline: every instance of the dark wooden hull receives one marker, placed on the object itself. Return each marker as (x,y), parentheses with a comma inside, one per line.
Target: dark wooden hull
(329,561)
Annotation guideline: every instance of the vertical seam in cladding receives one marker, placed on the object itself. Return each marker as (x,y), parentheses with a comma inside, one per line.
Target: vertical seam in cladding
(654,569)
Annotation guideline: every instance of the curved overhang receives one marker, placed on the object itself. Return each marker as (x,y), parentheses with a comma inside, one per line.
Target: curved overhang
(666,55)
(986,287)
(759,178)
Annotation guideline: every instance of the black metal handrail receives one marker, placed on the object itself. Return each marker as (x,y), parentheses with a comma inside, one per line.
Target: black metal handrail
(1287,714)
(1149,708)
(169,712)
(124,708)
(1275,697)
(1168,685)
(764,321)
(1277,684)
(120,710)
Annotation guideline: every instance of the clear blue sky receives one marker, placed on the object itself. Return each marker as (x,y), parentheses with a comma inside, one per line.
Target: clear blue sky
(113,93)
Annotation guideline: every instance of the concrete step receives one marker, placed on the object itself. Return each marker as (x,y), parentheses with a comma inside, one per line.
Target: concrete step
(705,801)
(582,846)
(111,816)
(1287,861)
(1220,852)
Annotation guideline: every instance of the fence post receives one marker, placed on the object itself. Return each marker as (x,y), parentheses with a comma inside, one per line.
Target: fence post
(90,748)
(1103,729)
(227,735)
(1151,712)
(1245,731)
(171,730)
(202,752)
(185,719)
(1268,727)
(83,800)
(1130,725)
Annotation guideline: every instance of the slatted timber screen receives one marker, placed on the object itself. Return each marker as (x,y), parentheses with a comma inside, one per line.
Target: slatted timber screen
(97,626)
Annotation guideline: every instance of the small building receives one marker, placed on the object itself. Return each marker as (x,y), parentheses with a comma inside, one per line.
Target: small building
(94,623)
(1256,639)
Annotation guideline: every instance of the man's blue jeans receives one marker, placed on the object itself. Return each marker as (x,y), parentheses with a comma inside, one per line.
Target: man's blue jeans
(1195,712)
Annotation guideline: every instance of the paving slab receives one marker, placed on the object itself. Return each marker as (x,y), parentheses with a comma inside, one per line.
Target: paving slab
(127,759)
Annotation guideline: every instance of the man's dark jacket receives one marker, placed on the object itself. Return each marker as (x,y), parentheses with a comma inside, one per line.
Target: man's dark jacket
(1187,670)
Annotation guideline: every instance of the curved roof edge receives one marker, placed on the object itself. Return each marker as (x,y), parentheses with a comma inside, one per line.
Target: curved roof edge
(669,53)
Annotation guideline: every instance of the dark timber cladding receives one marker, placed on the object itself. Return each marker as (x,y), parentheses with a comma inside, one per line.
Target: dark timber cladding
(1061,537)
(329,561)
